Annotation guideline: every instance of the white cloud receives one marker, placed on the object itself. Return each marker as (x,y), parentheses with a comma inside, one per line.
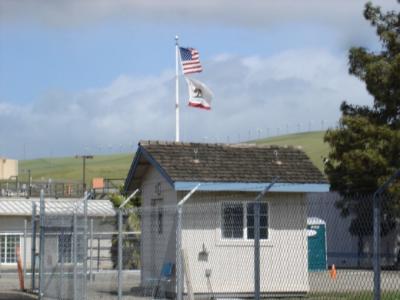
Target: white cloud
(240,12)
(342,18)
(294,87)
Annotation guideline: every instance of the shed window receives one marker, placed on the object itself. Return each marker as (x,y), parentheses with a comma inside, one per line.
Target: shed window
(237,221)
(263,220)
(8,248)
(232,220)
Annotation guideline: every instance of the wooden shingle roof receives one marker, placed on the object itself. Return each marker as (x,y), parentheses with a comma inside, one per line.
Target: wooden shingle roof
(244,163)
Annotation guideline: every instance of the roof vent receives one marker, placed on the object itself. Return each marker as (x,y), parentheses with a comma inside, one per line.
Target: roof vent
(277,161)
(196,159)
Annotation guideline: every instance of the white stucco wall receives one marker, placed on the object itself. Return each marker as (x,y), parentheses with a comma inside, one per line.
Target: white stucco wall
(157,247)
(284,256)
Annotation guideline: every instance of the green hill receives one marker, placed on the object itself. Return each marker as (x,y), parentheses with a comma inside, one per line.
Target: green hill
(107,166)
(311,142)
(117,165)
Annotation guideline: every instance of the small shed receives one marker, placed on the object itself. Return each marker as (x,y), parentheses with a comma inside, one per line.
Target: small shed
(317,247)
(217,232)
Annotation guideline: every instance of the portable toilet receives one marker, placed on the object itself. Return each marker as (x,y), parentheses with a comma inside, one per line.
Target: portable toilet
(316,234)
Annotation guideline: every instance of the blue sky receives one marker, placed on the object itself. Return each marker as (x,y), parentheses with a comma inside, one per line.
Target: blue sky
(43,57)
(97,76)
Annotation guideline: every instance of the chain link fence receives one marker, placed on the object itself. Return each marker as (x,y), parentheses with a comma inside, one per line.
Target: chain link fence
(52,188)
(311,246)
(340,246)
(63,250)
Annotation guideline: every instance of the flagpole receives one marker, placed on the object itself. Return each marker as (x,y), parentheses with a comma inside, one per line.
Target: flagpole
(176,89)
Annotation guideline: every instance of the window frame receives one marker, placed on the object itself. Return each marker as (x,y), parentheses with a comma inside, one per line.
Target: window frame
(7,234)
(223,205)
(244,240)
(261,215)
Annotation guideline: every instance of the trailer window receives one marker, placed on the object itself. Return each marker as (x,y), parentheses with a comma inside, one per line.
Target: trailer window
(8,248)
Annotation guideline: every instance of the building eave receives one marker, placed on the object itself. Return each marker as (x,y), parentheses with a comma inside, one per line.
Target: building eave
(252,187)
(142,152)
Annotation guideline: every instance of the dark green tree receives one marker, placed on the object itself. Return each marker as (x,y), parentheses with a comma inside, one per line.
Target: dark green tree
(365,147)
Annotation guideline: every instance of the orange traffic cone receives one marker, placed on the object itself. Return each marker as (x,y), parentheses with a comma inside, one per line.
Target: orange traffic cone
(333,272)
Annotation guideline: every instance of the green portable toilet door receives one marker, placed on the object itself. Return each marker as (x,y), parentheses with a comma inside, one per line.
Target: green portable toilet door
(316,247)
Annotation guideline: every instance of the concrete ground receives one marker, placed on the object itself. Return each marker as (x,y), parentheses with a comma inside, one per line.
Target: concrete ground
(104,285)
(16,296)
(353,281)
(10,290)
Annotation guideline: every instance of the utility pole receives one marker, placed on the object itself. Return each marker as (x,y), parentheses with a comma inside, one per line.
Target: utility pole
(84,158)
(29,183)
(29,191)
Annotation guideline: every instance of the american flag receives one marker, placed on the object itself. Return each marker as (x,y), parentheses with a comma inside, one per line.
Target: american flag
(190,60)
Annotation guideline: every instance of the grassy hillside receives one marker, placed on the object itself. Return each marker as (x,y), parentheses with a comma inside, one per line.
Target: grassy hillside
(108,166)
(117,165)
(311,142)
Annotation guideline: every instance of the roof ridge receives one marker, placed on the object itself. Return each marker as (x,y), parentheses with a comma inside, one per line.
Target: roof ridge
(215,162)
(161,142)
(230,145)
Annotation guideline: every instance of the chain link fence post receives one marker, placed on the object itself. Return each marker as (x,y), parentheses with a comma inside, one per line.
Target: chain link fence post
(377,234)
(62,264)
(377,246)
(33,246)
(257,250)
(85,244)
(120,244)
(25,254)
(74,254)
(119,253)
(179,269)
(179,259)
(42,245)
(257,206)
(91,252)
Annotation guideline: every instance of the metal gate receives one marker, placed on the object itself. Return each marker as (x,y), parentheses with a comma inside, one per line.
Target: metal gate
(63,249)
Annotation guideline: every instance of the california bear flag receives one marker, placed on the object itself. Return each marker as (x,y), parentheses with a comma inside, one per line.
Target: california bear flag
(199,94)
